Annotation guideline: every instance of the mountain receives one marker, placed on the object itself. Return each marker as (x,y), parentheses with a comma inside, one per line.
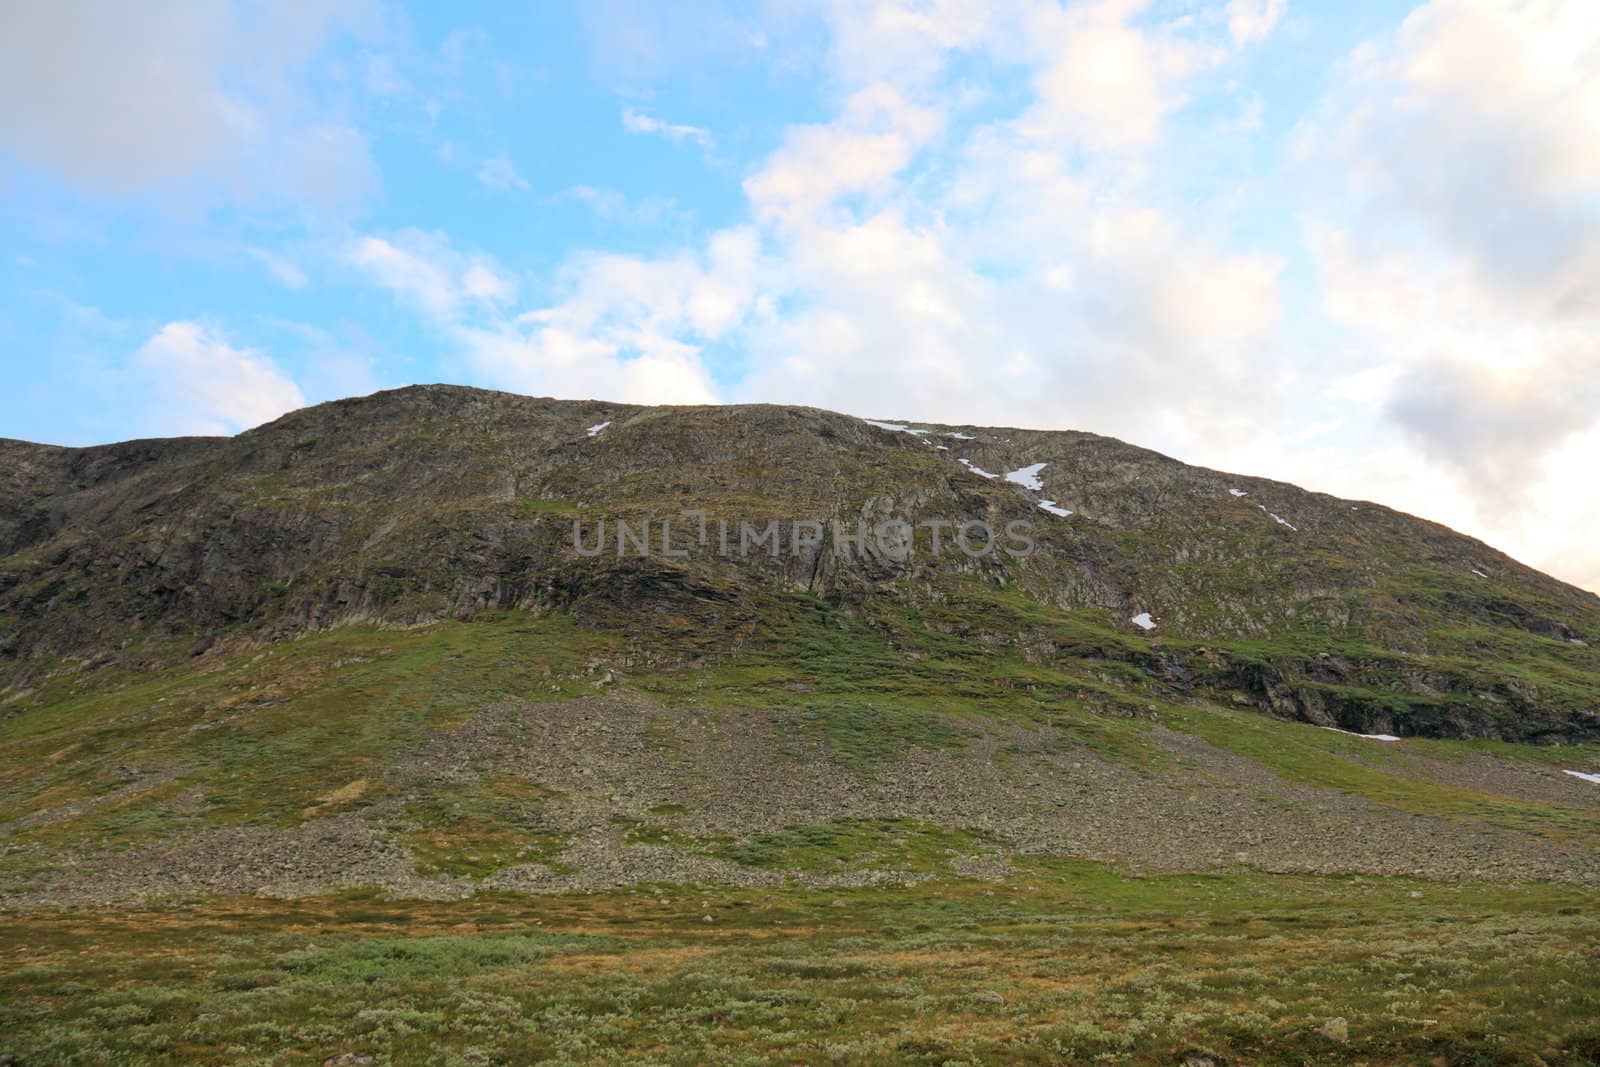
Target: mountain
(440,639)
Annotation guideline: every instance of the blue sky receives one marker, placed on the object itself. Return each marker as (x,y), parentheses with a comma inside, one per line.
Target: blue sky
(1354,245)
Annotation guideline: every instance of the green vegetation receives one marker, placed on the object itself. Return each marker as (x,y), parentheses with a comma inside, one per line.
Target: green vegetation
(279,735)
(659,836)
(669,809)
(861,736)
(1553,755)
(872,691)
(1068,962)
(475,828)
(1353,765)
(534,508)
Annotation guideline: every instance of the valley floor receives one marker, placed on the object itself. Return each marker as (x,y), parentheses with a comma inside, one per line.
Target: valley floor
(1063,962)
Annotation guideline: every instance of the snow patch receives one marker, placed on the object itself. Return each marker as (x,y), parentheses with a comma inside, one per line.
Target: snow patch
(1237,492)
(1369,737)
(895,426)
(594,431)
(1595,778)
(1143,621)
(961,436)
(1577,641)
(1279,519)
(1479,573)
(967,463)
(1027,477)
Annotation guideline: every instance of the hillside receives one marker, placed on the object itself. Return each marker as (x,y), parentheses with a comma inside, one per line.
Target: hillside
(363,645)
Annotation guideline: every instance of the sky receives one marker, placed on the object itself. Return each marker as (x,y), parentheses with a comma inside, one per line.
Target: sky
(1353,245)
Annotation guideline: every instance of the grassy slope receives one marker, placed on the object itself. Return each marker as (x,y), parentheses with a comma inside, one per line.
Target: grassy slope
(1069,962)
(306,729)
(285,733)
(1091,963)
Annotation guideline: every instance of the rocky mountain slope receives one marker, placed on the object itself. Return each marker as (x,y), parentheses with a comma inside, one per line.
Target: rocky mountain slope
(361,646)
(440,502)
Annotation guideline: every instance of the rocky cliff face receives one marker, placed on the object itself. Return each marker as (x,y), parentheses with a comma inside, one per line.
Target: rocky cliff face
(442,502)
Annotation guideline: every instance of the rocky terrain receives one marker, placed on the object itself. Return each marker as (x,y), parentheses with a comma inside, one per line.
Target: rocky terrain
(635,793)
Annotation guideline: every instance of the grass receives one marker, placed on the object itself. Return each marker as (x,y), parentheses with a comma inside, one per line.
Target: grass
(1302,753)
(1576,757)
(475,828)
(1068,962)
(861,736)
(668,837)
(532,508)
(276,734)
(872,692)
(281,734)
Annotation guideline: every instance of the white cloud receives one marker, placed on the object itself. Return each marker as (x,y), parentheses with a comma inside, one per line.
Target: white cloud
(908,43)
(121,98)
(202,385)
(623,327)
(1460,251)
(1494,428)
(1253,20)
(498,172)
(1480,123)
(1105,81)
(424,270)
(1483,382)
(638,122)
(889,242)
(639,325)
(861,152)
(865,280)
(281,267)
(1561,537)
(78,94)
